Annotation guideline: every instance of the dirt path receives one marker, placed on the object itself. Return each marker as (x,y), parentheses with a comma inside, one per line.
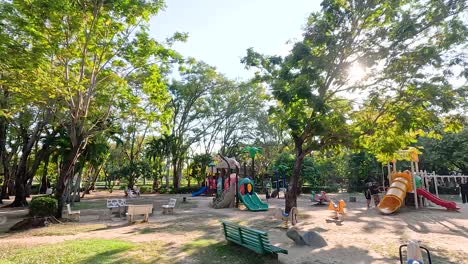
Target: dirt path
(365,236)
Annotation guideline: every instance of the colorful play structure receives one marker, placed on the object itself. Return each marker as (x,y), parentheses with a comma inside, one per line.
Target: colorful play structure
(409,187)
(319,198)
(229,188)
(280,184)
(209,186)
(287,218)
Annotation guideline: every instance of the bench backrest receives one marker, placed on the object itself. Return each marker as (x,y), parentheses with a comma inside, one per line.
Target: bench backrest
(253,239)
(139,209)
(114,203)
(172,202)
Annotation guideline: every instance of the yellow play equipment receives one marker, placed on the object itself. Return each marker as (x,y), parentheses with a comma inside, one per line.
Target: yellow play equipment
(337,208)
(400,184)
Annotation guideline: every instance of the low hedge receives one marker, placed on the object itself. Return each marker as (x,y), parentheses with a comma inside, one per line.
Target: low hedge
(146,189)
(42,206)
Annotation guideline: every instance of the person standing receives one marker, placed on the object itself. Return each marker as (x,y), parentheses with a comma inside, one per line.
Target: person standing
(375,193)
(464,191)
(368,193)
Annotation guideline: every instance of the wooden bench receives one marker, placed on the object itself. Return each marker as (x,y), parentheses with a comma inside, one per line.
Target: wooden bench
(252,239)
(133,210)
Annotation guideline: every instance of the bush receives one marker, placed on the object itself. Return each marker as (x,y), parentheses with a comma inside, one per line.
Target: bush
(163,190)
(35,189)
(146,189)
(43,206)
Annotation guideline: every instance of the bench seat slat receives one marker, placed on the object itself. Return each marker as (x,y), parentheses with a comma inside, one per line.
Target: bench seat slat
(247,234)
(257,249)
(278,249)
(230,224)
(247,240)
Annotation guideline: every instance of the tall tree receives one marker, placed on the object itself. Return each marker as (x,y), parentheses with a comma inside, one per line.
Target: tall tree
(92,47)
(401,47)
(188,97)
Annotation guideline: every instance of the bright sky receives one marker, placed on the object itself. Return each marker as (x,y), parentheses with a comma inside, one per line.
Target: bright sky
(221,31)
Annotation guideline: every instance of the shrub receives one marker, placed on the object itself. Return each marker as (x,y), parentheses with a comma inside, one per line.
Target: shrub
(43,206)
(146,189)
(35,189)
(163,190)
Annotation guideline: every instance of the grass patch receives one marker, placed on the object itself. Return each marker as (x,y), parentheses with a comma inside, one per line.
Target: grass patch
(87,251)
(65,229)
(212,251)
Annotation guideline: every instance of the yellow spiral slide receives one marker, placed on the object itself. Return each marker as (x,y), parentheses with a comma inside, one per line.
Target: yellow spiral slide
(396,193)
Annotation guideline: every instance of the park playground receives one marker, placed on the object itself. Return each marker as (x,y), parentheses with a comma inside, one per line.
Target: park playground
(245,132)
(193,234)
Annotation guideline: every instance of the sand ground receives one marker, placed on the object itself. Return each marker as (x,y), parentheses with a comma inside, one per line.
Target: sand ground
(365,236)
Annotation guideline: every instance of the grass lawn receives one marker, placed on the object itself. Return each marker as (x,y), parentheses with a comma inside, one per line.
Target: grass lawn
(65,229)
(86,251)
(118,251)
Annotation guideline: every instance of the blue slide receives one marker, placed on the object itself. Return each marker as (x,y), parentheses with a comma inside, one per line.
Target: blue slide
(201,191)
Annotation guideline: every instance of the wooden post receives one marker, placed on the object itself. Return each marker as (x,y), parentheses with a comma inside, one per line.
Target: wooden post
(389,172)
(435,184)
(414,186)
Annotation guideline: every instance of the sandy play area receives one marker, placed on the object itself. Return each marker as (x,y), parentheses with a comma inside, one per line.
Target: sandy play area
(364,236)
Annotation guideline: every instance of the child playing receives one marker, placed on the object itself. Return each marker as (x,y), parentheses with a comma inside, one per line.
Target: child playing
(372,190)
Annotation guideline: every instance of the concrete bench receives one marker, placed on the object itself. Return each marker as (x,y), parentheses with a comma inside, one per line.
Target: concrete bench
(169,208)
(117,205)
(134,210)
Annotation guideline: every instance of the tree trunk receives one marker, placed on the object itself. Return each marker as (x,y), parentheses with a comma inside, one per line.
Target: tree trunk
(66,173)
(293,188)
(179,171)
(166,167)
(29,186)
(155,183)
(20,182)
(88,181)
(95,174)
(253,167)
(44,182)
(175,181)
(75,197)
(6,180)
(3,137)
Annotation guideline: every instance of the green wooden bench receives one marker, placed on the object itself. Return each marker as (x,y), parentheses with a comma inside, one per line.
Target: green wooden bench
(250,238)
